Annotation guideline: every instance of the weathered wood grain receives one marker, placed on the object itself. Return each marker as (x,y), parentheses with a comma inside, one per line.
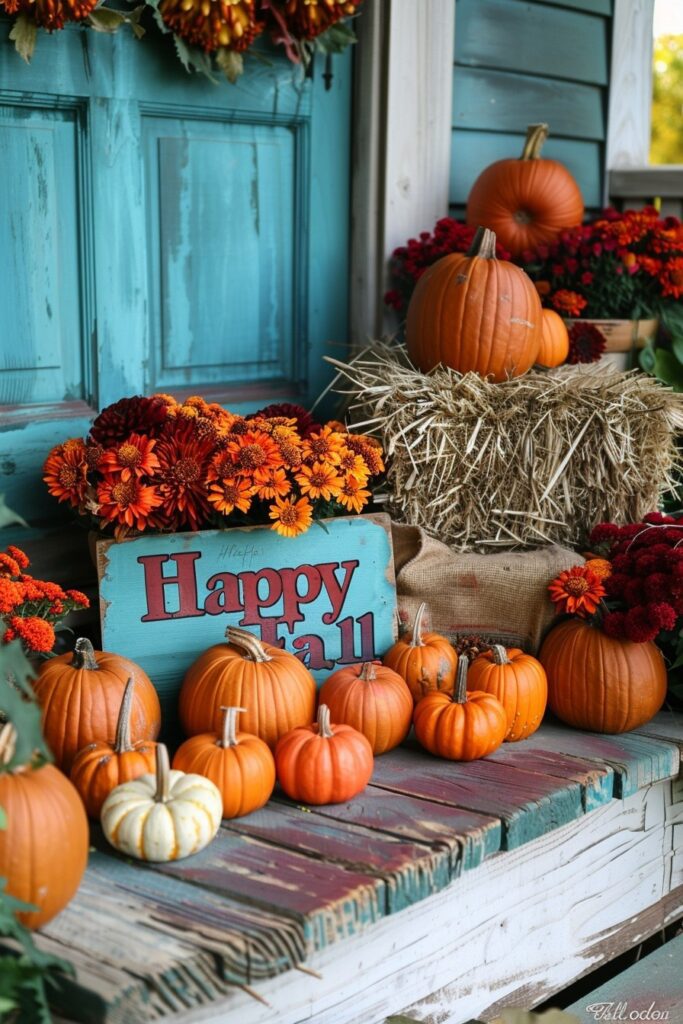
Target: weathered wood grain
(666,725)
(596,781)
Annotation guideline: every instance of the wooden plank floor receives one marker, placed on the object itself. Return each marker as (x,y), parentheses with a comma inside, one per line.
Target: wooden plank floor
(288,882)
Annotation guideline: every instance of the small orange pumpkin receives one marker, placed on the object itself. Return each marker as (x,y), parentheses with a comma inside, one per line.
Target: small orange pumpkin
(101,766)
(239,764)
(372,699)
(323,763)
(555,340)
(527,201)
(475,312)
(518,681)
(425,660)
(275,687)
(461,726)
(599,683)
(44,849)
(81,696)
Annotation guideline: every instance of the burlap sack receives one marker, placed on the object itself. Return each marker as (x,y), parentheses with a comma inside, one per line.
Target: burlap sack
(502,597)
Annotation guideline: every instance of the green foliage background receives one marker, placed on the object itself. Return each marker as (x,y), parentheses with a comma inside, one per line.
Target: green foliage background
(667,101)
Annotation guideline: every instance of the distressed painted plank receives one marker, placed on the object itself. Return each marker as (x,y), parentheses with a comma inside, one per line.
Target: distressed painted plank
(411,871)
(469,837)
(597,782)
(590,6)
(528,805)
(666,725)
(554,42)
(637,760)
(650,986)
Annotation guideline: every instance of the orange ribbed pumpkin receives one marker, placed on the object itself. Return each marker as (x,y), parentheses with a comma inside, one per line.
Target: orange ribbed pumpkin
(276,688)
(81,697)
(373,699)
(323,763)
(527,201)
(425,660)
(462,726)
(101,767)
(518,681)
(239,764)
(598,683)
(475,312)
(555,341)
(44,849)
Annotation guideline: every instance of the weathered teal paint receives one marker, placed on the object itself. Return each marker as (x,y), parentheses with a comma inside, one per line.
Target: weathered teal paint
(159,231)
(328,595)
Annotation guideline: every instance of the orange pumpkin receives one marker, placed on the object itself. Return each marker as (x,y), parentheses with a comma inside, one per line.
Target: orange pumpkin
(323,763)
(555,341)
(372,699)
(519,683)
(276,688)
(81,696)
(101,766)
(44,849)
(425,660)
(461,726)
(527,201)
(475,312)
(599,683)
(239,764)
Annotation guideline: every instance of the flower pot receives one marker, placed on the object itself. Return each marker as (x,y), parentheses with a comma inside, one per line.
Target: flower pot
(622,338)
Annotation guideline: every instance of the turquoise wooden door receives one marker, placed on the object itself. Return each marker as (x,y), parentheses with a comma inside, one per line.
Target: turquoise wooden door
(161,233)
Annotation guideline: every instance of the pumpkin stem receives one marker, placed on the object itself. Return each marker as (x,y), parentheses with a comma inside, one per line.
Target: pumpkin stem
(162,774)
(8,743)
(536,134)
(229,731)
(84,656)
(483,244)
(499,655)
(324,727)
(247,642)
(460,692)
(122,742)
(368,672)
(416,639)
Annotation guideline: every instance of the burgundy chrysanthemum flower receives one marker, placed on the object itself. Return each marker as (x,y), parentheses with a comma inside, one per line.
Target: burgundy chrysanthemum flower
(136,415)
(305,423)
(586,343)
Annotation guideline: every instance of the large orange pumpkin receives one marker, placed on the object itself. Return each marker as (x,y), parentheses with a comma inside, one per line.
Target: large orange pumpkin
(425,660)
(239,764)
(275,687)
(323,763)
(81,696)
(475,312)
(527,201)
(519,683)
(101,767)
(555,341)
(599,683)
(462,726)
(373,699)
(44,849)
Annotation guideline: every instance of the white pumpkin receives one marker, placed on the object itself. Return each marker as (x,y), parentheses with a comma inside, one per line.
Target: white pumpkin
(162,817)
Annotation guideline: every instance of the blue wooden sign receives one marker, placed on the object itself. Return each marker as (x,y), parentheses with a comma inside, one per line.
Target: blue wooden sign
(327,596)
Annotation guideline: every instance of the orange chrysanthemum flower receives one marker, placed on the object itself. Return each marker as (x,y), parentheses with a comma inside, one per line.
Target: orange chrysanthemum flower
(11,595)
(127,502)
(35,633)
(19,556)
(272,483)
(353,496)
(291,517)
(324,445)
(600,566)
(308,18)
(370,449)
(230,494)
(254,450)
(78,598)
(319,481)
(50,14)
(134,457)
(65,472)
(221,465)
(351,463)
(183,468)
(577,591)
(8,565)
(213,23)
(568,303)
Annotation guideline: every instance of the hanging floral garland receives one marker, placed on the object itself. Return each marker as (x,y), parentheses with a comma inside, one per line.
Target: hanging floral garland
(208,34)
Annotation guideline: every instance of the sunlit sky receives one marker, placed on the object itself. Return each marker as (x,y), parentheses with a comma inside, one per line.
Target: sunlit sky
(668,19)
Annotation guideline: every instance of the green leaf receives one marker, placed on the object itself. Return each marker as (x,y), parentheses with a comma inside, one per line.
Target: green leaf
(103,19)
(194,59)
(677,347)
(336,38)
(230,63)
(8,516)
(668,368)
(671,316)
(18,704)
(646,359)
(23,35)
(133,20)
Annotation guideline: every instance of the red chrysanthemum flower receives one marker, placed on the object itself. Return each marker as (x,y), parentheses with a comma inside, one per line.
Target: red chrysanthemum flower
(568,303)
(136,415)
(577,591)
(65,472)
(306,19)
(586,343)
(50,14)
(212,24)
(183,469)
(303,420)
(134,457)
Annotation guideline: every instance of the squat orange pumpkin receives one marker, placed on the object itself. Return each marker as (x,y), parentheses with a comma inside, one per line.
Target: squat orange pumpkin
(555,340)
(239,764)
(462,726)
(518,681)
(372,699)
(425,660)
(475,312)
